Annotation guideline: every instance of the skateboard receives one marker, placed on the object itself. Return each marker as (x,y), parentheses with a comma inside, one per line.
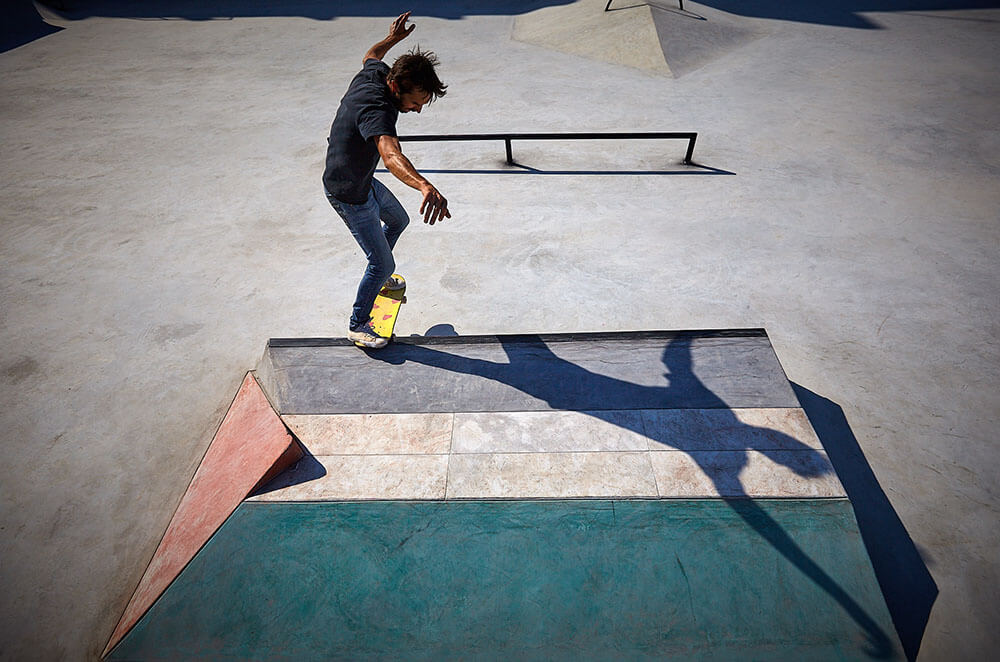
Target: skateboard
(385,310)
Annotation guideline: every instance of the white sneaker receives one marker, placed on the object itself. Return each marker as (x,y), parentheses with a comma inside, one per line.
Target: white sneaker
(366,337)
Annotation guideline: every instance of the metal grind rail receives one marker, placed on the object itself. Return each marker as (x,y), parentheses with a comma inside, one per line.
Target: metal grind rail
(607,7)
(689,136)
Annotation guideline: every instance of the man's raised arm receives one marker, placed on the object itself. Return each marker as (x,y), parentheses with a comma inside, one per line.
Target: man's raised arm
(435,206)
(397,33)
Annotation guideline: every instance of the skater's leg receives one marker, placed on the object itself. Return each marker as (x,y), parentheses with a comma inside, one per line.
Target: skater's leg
(364,223)
(391,212)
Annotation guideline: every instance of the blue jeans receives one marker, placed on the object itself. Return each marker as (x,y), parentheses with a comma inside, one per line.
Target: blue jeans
(376,225)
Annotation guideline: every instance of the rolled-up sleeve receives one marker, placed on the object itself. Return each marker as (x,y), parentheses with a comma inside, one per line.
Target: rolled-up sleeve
(376,119)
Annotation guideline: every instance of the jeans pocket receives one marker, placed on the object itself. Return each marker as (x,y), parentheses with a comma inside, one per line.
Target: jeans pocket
(343,209)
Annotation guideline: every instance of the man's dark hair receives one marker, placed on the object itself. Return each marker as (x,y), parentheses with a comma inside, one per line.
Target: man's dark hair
(415,71)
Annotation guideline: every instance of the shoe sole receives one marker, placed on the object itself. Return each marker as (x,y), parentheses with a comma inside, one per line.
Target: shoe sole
(371,344)
(367,346)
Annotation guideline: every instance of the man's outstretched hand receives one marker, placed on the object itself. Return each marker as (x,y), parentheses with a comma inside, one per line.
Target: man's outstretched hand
(434,207)
(398,32)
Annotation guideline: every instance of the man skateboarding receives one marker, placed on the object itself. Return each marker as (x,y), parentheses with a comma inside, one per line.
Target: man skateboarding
(364,130)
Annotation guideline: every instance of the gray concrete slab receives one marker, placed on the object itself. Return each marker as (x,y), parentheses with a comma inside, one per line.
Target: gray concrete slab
(161,217)
(575,372)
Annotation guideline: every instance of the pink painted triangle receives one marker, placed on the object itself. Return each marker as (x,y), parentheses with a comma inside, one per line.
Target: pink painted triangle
(250,447)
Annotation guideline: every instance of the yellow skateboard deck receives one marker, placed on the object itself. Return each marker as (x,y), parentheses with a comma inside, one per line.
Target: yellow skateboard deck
(385,310)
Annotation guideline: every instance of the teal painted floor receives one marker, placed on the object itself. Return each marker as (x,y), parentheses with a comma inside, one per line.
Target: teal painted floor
(525,580)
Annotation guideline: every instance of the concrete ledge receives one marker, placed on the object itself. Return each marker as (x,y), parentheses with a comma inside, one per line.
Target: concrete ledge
(676,453)
(734,368)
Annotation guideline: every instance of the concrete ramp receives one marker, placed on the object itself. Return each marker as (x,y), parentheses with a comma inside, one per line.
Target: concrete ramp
(647,495)
(642,415)
(655,36)
(700,35)
(583,28)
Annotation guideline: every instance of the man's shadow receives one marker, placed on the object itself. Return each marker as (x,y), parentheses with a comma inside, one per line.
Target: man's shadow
(561,385)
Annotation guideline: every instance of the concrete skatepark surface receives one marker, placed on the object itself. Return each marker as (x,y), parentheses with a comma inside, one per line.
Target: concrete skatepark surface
(162,217)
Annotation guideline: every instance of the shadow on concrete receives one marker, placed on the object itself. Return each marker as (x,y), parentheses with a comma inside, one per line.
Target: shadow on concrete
(906,583)
(22,24)
(440,331)
(324,10)
(305,470)
(839,13)
(842,13)
(520,372)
